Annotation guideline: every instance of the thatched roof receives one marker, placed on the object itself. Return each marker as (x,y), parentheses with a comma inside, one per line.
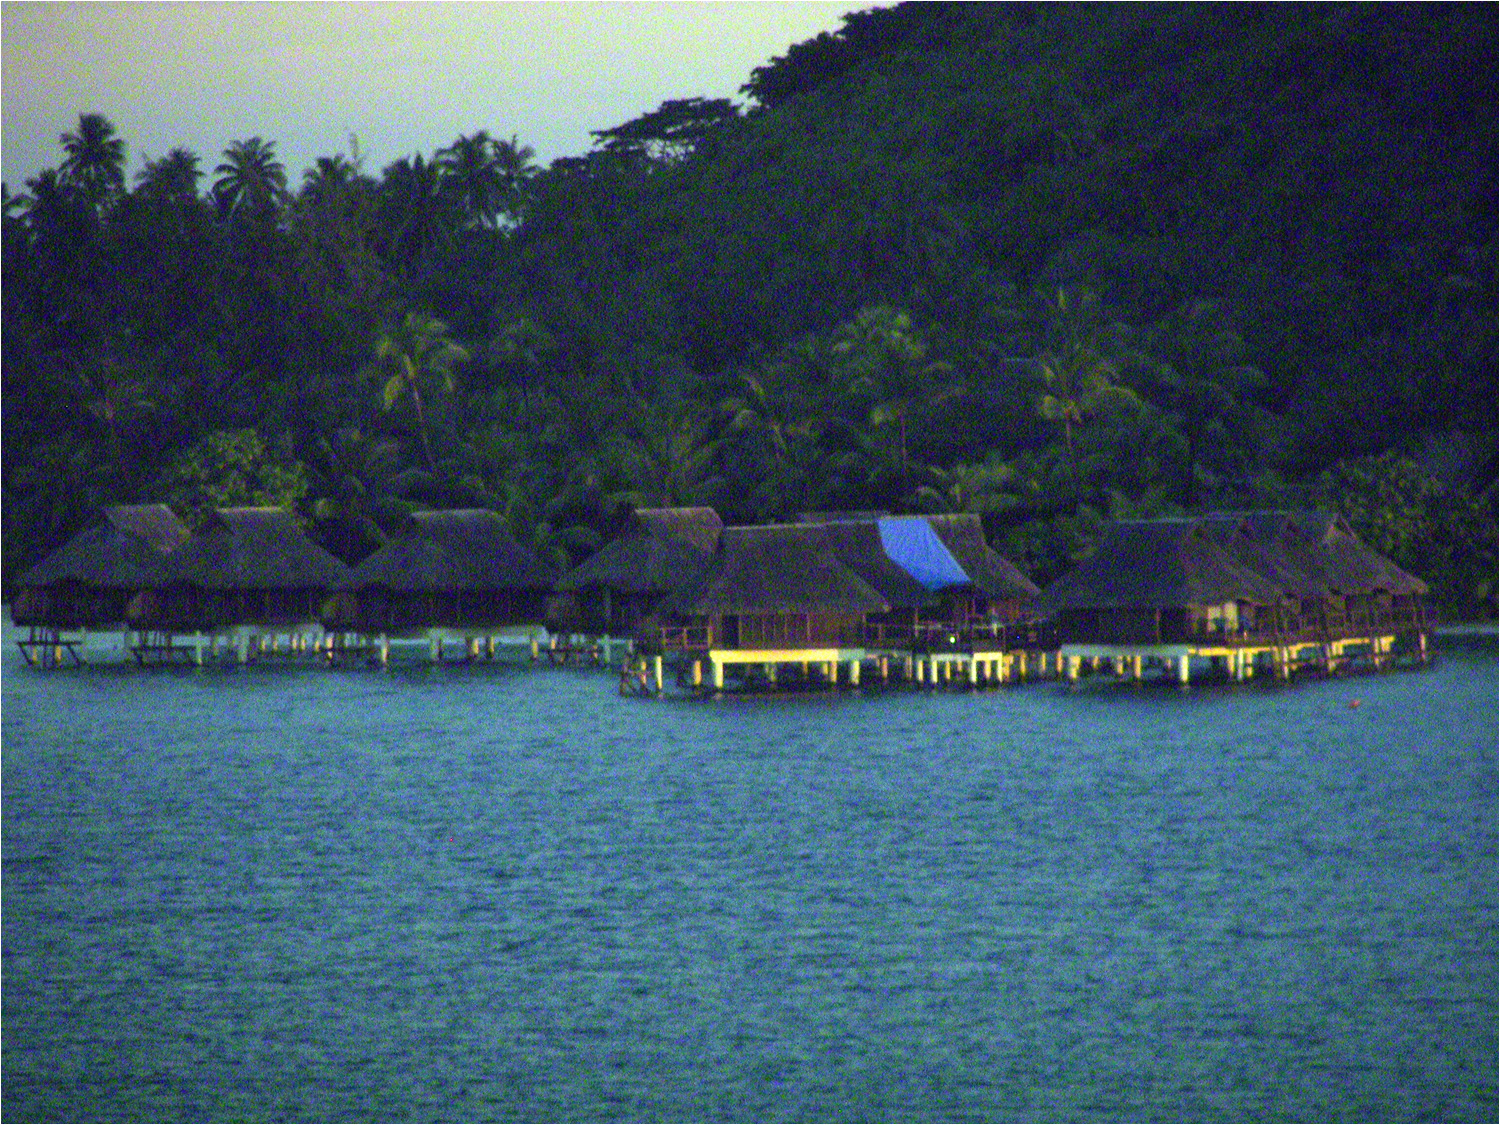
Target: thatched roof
(1258,546)
(858,547)
(660,549)
(1158,564)
(127,550)
(781,568)
(255,549)
(1322,550)
(852,516)
(991,572)
(461,550)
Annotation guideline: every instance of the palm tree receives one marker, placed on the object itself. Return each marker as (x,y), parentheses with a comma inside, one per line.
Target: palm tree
(327,179)
(413,210)
(991,485)
(174,176)
(95,161)
(57,218)
(251,180)
(418,357)
(882,357)
(471,176)
(514,161)
(665,457)
(1079,362)
(1198,365)
(355,480)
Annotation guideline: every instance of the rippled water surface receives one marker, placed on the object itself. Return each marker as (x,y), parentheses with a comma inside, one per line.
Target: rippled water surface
(506,893)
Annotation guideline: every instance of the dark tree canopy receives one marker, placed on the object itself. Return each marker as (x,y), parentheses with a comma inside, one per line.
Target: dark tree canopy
(1050,263)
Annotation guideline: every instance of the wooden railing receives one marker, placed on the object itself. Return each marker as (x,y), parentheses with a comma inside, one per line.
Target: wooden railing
(924,636)
(1293,629)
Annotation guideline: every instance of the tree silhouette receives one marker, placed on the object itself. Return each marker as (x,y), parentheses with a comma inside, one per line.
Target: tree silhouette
(252,182)
(95,161)
(417,358)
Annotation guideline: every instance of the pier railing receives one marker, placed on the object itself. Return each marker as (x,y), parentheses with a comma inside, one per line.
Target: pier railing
(1293,629)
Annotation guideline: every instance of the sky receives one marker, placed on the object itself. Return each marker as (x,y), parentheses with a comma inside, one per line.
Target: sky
(402,78)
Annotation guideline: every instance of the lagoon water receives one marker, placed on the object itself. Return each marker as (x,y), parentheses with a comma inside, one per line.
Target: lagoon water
(504,893)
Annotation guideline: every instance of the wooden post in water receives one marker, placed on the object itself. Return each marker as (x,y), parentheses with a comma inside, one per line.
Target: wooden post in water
(854,672)
(1184,668)
(656,663)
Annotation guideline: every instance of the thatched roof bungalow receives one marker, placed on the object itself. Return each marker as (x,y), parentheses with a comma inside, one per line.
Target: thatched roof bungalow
(1162,582)
(658,551)
(455,569)
(1340,583)
(963,579)
(997,590)
(89,581)
(248,566)
(780,586)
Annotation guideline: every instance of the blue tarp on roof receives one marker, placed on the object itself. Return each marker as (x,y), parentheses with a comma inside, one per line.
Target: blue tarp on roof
(915,548)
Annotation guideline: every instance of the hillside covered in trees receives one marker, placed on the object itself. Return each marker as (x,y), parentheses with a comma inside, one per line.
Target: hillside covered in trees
(1050,263)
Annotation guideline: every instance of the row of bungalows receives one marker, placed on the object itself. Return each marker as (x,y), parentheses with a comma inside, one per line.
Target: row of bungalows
(1235,593)
(814,600)
(251,580)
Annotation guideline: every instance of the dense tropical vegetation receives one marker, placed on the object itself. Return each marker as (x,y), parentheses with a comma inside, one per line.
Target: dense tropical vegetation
(1050,263)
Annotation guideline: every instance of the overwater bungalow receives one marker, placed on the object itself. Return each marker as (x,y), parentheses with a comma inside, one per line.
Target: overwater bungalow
(1347,594)
(1286,589)
(773,595)
(858,545)
(997,593)
(251,575)
(658,551)
(450,576)
(841,589)
(88,582)
(1165,592)
(955,594)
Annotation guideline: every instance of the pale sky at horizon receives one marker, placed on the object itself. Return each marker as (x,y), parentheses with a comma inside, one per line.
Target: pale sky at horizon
(402,77)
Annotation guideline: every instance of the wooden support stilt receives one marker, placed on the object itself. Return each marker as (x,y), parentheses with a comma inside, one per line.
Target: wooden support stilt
(1184,668)
(854,672)
(697,673)
(656,663)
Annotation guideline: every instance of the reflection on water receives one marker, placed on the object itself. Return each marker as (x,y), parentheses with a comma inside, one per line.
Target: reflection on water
(505,893)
